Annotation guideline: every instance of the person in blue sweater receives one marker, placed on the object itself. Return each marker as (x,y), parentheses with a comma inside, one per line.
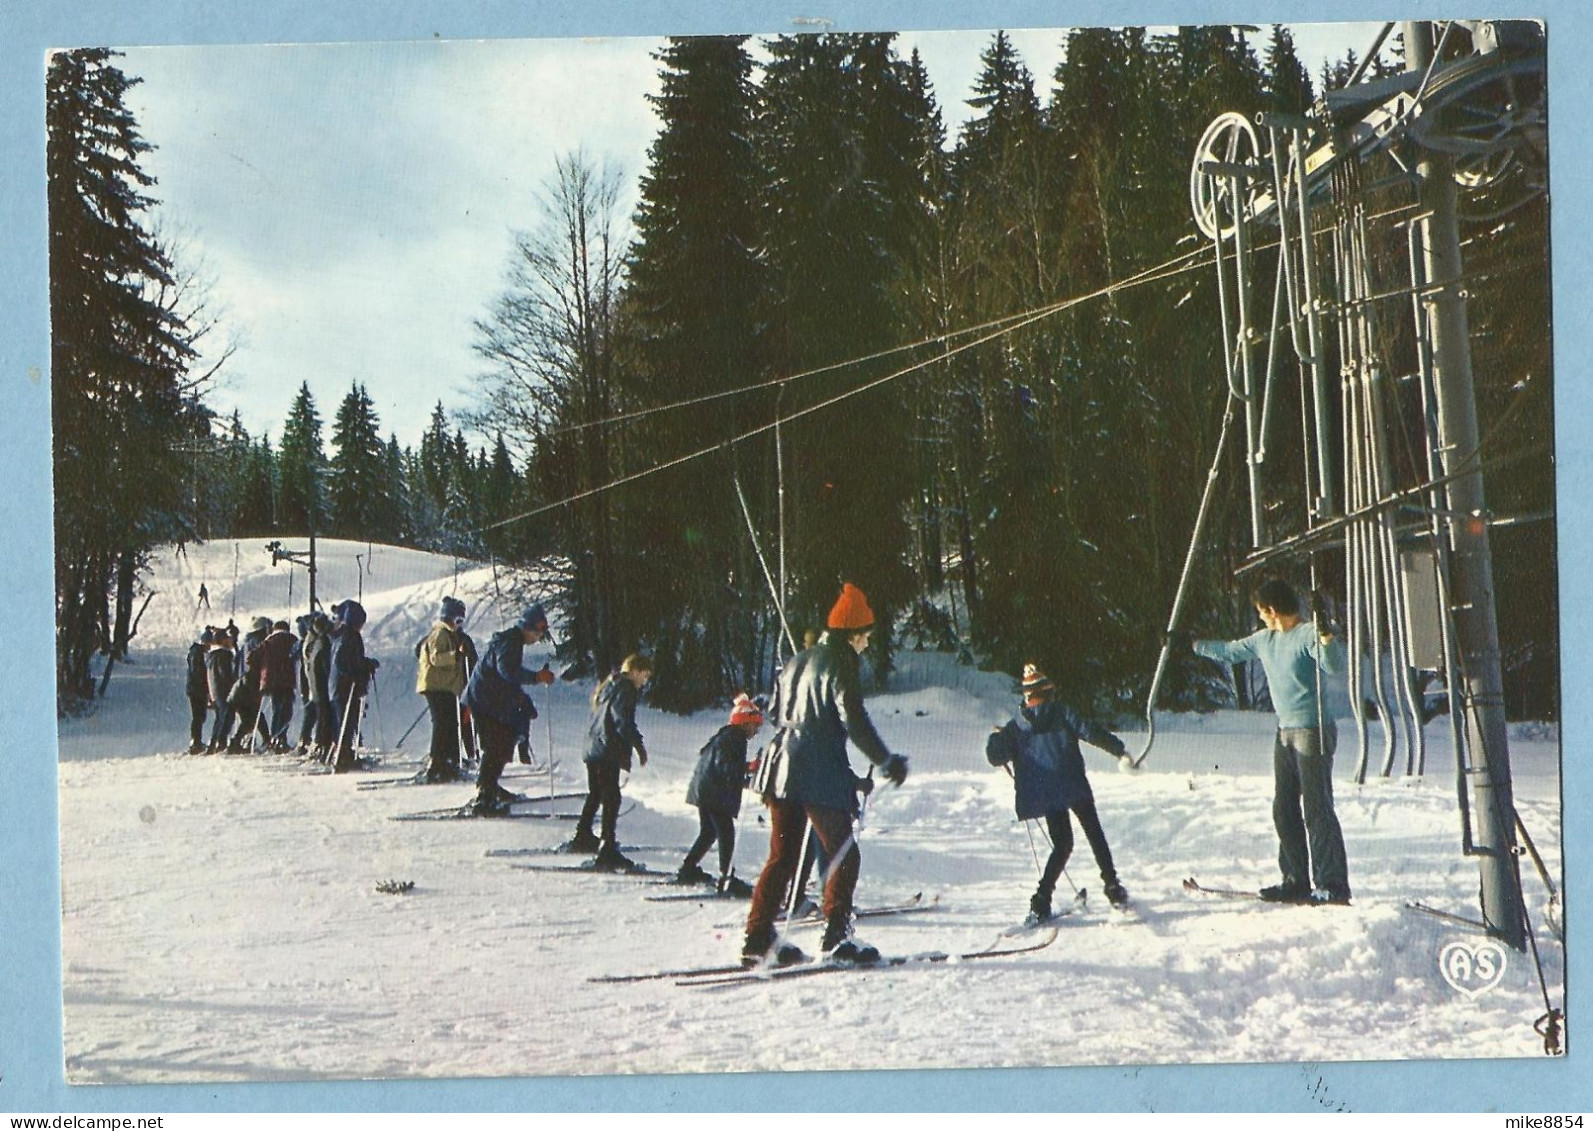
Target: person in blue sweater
(1041,746)
(1294,652)
(501,710)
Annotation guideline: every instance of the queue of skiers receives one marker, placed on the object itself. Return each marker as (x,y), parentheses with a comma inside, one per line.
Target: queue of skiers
(252,683)
(803,775)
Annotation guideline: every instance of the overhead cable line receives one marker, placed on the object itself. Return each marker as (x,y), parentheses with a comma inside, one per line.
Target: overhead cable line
(1154,274)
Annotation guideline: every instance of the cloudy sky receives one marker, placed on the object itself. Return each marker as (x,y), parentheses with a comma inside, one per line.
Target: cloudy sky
(353,204)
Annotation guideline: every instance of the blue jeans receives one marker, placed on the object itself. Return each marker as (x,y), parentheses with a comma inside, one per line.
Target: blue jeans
(1310,842)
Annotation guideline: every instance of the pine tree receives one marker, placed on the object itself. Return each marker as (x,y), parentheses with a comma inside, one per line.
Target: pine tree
(117,356)
(357,487)
(301,468)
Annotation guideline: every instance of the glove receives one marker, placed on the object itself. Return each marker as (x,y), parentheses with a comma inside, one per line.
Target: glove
(865,786)
(895,769)
(374,665)
(523,749)
(641,754)
(544,676)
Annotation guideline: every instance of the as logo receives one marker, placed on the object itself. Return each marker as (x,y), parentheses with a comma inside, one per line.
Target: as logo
(1472,968)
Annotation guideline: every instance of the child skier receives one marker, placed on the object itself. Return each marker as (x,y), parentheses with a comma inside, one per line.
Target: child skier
(1041,747)
(611,738)
(716,791)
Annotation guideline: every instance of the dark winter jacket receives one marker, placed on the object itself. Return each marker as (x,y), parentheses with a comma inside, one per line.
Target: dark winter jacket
(612,734)
(246,690)
(1042,746)
(721,772)
(818,705)
(198,672)
(350,669)
(494,688)
(221,666)
(275,662)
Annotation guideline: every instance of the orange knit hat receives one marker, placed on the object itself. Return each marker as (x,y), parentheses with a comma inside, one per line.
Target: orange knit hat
(851,611)
(744,710)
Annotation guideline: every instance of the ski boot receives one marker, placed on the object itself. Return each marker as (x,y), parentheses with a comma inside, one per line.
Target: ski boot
(196,748)
(1116,894)
(1285,893)
(1321,897)
(1039,910)
(488,807)
(583,843)
(508,797)
(610,859)
(764,949)
(733,886)
(692,874)
(839,946)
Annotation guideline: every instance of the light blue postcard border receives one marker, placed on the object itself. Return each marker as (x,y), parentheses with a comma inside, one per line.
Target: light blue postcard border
(31,1078)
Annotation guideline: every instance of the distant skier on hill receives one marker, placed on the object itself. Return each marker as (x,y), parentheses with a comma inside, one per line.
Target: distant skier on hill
(501,710)
(715,790)
(818,706)
(611,738)
(350,672)
(1040,745)
(1291,650)
(440,679)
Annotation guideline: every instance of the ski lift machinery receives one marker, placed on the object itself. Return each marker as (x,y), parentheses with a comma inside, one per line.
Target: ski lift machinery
(1468,113)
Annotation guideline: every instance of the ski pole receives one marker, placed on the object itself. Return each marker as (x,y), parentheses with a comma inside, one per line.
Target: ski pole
(381,730)
(412,727)
(342,730)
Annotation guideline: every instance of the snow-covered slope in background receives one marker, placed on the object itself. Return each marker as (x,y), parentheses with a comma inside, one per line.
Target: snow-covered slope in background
(221,919)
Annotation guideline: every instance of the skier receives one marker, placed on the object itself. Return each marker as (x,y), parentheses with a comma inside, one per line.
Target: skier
(1292,651)
(315,683)
(349,676)
(611,737)
(440,678)
(198,690)
(715,789)
(467,728)
(204,598)
(221,670)
(501,710)
(246,701)
(1040,745)
(804,776)
(277,681)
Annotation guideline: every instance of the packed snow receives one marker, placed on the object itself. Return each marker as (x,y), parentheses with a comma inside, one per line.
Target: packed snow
(222,919)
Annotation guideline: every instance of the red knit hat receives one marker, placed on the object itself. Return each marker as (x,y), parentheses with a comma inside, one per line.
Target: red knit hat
(851,611)
(744,710)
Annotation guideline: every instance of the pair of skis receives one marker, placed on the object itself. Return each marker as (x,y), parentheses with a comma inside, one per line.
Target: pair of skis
(739,975)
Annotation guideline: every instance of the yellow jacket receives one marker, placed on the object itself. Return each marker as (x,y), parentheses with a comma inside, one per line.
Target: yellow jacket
(441,667)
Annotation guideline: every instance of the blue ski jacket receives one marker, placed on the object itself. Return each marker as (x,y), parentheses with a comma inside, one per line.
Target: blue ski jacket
(1041,744)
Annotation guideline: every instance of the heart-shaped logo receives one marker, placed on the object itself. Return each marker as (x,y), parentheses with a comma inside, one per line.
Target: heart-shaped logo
(1472,968)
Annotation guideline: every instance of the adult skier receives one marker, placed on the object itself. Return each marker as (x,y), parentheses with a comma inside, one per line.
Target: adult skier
(350,672)
(198,688)
(1293,652)
(818,706)
(440,678)
(610,739)
(246,701)
(1040,746)
(501,710)
(715,790)
(315,682)
(277,681)
(221,670)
